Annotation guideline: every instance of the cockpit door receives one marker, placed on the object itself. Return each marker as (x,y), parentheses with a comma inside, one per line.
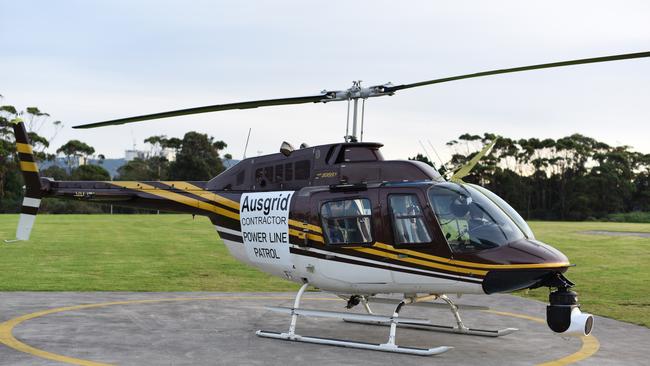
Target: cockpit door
(414,236)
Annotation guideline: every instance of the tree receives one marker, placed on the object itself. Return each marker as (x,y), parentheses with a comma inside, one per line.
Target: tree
(172,143)
(90,172)
(157,144)
(75,149)
(55,172)
(198,158)
(136,169)
(11,181)
(575,177)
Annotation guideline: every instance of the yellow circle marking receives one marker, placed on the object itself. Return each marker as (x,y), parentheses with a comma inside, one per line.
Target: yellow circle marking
(590,345)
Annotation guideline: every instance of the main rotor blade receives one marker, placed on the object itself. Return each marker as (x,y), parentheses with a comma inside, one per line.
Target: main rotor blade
(210,108)
(522,68)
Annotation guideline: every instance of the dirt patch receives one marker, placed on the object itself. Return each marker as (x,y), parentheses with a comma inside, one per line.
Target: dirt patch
(616,233)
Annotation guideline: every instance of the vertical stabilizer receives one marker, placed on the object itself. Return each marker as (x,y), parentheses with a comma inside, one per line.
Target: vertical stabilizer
(33,191)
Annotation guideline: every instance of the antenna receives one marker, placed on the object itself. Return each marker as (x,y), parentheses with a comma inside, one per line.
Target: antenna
(426,152)
(247,138)
(363,112)
(436,152)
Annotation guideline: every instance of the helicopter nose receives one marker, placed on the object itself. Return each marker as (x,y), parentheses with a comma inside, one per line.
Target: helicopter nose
(527,264)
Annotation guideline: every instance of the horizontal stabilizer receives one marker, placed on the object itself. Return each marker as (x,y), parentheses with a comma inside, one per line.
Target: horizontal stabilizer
(346,316)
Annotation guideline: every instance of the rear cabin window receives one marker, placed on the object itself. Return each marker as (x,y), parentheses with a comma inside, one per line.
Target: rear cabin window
(408,220)
(268,173)
(279,174)
(301,170)
(288,171)
(347,222)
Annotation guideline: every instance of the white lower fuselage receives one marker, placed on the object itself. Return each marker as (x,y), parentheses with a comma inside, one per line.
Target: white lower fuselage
(334,272)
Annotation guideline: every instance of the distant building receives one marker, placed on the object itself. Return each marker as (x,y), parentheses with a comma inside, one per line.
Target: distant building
(133,154)
(169,154)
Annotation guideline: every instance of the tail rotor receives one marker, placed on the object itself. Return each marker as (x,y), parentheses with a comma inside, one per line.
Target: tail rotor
(33,191)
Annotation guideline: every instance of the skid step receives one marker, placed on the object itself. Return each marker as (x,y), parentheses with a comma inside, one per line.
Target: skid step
(355,344)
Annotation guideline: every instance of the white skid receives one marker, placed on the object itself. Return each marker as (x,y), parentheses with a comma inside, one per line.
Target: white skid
(353,317)
(468,331)
(443,328)
(352,344)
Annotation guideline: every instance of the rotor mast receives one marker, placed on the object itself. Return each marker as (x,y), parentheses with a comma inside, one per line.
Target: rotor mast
(353,94)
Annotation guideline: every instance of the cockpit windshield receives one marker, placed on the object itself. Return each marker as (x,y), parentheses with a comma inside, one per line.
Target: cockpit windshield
(469,220)
(514,215)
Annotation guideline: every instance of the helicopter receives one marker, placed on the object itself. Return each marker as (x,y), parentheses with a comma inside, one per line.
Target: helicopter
(341,218)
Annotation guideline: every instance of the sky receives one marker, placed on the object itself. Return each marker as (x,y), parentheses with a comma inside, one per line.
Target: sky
(89,61)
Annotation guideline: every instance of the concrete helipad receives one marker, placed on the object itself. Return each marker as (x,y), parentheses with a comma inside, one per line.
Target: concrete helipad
(219,329)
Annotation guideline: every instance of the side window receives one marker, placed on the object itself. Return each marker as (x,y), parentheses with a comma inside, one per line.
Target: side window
(347,221)
(259,177)
(240,177)
(408,221)
(268,173)
(302,170)
(288,171)
(279,174)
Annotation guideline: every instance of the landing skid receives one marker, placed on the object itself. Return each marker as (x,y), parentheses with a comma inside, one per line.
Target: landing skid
(460,327)
(443,328)
(389,346)
(385,347)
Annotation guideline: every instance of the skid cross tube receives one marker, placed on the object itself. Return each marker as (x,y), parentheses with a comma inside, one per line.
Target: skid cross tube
(460,327)
(389,346)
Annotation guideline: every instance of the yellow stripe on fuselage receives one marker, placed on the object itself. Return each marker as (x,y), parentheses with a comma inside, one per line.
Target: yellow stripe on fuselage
(300,234)
(422,262)
(472,264)
(308,226)
(176,197)
(204,193)
(28,166)
(448,264)
(24,148)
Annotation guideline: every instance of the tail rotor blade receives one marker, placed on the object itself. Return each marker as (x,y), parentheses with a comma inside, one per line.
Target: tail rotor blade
(33,191)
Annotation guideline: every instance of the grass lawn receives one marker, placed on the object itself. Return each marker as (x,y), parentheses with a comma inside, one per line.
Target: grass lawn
(124,253)
(178,253)
(612,273)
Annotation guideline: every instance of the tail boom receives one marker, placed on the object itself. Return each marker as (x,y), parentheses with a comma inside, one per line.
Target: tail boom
(177,196)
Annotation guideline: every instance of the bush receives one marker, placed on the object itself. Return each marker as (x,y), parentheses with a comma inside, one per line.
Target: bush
(634,216)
